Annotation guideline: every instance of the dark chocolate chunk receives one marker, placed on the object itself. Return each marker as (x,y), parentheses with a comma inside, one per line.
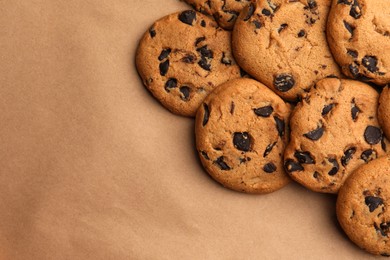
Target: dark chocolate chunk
(312,4)
(346,2)
(280,126)
(335,167)
(354,70)
(188,59)
(199,40)
(304,157)
(225,60)
(206,114)
(257,24)
(152,32)
(203,23)
(205,52)
(266,12)
(232,107)
(268,149)
(264,111)
(292,166)
(164,66)
(242,141)
(204,154)
(282,27)
(354,54)
(354,110)
(349,27)
(316,174)
(269,167)
(315,134)
(356,10)
(171,83)
(327,109)
(203,63)
(373,134)
(284,82)
(185,91)
(251,10)
(301,33)
(164,54)
(385,226)
(373,202)
(222,165)
(187,17)
(348,154)
(368,155)
(370,62)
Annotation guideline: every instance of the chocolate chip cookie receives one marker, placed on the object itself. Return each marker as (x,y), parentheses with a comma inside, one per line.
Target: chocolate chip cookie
(283,44)
(240,136)
(384,111)
(359,37)
(334,129)
(183,57)
(225,12)
(363,206)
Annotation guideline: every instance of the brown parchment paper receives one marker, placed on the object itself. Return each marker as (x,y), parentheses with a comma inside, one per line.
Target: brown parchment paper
(92,167)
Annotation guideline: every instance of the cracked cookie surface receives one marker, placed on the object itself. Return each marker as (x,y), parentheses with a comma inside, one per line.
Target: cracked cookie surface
(363,206)
(182,58)
(240,136)
(283,44)
(359,37)
(334,129)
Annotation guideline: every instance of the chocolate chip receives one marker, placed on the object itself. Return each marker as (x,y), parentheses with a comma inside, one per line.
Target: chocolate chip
(269,168)
(242,141)
(384,228)
(354,54)
(354,70)
(152,32)
(251,10)
(266,12)
(282,27)
(349,27)
(187,17)
(164,54)
(232,107)
(203,63)
(199,40)
(373,134)
(222,165)
(204,154)
(348,154)
(304,157)
(346,2)
(264,111)
(301,33)
(335,166)
(327,109)
(185,91)
(370,62)
(203,23)
(284,82)
(316,174)
(225,60)
(257,24)
(354,110)
(206,114)
(292,166)
(188,59)
(315,134)
(171,83)
(205,52)
(268,149)
(356,11)
(373,202)
(280,126)
(312,4)
(164,66)
(368,155)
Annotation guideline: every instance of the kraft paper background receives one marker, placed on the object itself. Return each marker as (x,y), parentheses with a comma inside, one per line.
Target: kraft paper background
(92,167)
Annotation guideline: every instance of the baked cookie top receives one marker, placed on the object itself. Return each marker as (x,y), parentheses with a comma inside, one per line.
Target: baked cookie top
(363,206)
(384,111)
(225,12)
(359,37)
(283,44)
(182,58)
(334,129)
(240,136)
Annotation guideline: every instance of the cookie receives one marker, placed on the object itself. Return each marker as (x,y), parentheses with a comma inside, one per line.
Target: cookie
(182,58)
(225,12)
(384,111)
(334,129)
(240,136)
(363,206)
(283,44)
(359,37)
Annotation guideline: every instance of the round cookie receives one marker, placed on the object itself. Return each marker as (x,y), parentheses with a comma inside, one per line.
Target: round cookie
(384,111)
(359,37)
(225,12)
(240,136)
(363,206)
(334,129)
(283,44)
(182,58)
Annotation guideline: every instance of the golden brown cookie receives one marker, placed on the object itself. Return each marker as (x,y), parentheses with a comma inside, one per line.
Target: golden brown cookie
(359,38)
(363,206)
(182,58)
(240,136)
(334,129)
(283,44)
(384,111)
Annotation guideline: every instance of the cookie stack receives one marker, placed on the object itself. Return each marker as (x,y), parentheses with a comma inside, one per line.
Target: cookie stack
(290,93)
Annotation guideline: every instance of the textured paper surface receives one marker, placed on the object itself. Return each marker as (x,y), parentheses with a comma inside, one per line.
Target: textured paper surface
(92,167)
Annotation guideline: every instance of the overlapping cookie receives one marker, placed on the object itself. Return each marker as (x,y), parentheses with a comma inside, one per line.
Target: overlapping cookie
(384,111)
(241,134)
(183,57)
